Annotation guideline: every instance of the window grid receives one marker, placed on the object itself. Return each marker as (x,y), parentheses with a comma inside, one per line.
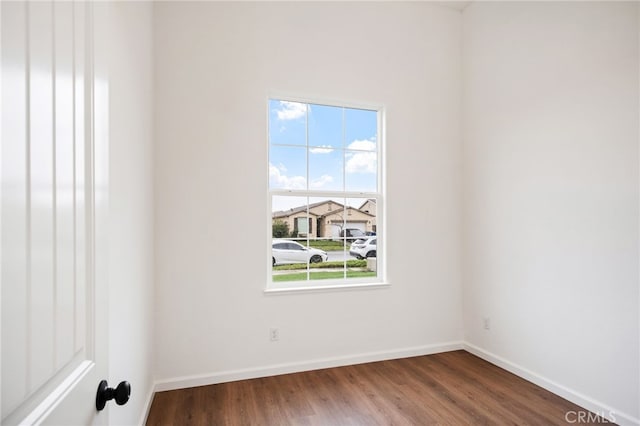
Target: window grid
(308,192)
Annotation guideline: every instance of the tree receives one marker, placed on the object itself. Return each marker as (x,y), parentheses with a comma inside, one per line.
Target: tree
(280,229)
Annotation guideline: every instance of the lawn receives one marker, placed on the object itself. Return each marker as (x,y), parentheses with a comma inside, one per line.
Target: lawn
(321,275)
(351,263)
(327,245)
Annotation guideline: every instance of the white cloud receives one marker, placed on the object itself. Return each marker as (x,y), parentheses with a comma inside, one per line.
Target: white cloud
(361,162)
(279,180)
(324,149)
(364,145)
(291,110)
(321,181)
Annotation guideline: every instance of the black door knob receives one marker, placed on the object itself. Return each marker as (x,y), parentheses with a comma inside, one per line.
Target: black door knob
(121,394)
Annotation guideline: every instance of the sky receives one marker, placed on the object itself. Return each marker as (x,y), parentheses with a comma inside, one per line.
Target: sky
(340,143)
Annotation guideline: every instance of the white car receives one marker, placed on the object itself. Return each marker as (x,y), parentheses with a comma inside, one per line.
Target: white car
(285,251)
(364,247)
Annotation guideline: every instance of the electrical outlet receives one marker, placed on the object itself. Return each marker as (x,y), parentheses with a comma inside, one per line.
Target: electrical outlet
(274,334)
(486,323)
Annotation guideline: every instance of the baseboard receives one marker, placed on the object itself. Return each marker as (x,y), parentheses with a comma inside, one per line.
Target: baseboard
(590,404)
(297,367)
(147,405)
(586,402)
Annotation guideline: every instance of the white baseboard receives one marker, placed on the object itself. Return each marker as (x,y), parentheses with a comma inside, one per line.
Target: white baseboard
(296,367)
(147,405)
(584,401)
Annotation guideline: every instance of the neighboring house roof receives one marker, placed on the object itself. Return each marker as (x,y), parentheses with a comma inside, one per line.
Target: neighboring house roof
(287,213)
(352,208)
(370,200)
(303,209)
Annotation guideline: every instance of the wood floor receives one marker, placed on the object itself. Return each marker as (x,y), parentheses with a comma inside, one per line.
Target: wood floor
(453,388)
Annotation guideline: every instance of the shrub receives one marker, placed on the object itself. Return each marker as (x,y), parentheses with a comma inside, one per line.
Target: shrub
(280,229)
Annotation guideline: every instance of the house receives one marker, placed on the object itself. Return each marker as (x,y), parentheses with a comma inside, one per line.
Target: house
(325,219)
(511,201)
(370,207)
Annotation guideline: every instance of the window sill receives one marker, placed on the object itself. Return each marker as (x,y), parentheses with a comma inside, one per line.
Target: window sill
(328,287)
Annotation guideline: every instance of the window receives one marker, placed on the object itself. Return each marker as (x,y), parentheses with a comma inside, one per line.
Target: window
(302,226)
(325,192)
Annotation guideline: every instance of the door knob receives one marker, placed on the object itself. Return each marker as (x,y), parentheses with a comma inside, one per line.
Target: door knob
(121,394)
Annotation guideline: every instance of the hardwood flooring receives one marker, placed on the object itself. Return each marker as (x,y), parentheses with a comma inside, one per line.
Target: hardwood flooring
(453,388)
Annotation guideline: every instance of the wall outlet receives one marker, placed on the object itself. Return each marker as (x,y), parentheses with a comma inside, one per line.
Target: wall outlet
(274,334)
(486,323)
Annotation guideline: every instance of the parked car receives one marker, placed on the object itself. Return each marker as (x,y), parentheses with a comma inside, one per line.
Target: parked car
(352,234)
(285,252)
(365,247)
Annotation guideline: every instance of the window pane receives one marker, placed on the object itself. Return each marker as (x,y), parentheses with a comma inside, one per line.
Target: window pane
(289,258)
(287,123)
(287,167)
(362,226)
(325,126)
(357,221)
(361,171)
(329,214)
(328,222)
(325,169)
(283,211)
(361,129)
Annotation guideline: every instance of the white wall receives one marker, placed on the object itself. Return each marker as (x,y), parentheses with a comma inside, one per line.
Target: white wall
(215,65)
(551,194)
(131,208)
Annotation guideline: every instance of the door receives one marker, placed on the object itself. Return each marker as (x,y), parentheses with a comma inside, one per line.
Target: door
(53,196)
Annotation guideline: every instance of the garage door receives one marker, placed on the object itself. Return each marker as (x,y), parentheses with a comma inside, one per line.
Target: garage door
(335,229)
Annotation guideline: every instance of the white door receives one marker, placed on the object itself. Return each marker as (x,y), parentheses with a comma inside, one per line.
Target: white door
(53,193)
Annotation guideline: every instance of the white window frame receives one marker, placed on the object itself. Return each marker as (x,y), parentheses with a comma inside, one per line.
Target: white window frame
(380,280)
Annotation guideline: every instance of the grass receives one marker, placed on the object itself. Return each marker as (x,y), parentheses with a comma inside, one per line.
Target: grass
(328,245)
(322,275)
(353,263)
